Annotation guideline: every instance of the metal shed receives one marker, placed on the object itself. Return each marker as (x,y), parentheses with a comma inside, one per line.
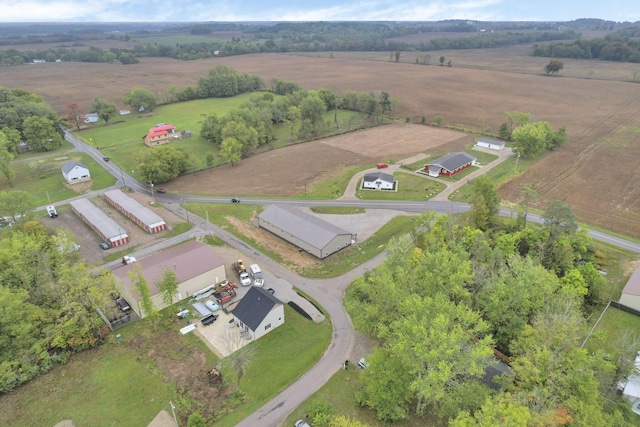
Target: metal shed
(306,231)
(107,228)
(141,215)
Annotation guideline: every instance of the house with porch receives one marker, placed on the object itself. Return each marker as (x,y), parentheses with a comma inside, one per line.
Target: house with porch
(378,181)
(450,164)
(160,134)
(258,313)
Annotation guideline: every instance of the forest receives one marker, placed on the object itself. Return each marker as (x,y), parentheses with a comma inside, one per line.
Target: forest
(621,46)
(451,299)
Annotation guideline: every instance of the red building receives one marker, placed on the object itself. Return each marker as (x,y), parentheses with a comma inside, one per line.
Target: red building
(450,164)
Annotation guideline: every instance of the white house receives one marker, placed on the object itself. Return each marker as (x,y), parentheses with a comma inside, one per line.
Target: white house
(73,172)
(258,313)
(378,181)
(492,144)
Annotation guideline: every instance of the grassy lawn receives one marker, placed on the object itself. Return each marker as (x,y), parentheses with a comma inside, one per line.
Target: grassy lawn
(337,210)
(105,384)
(503,172)
(41,176)
(340,393)
(128,389)
(351,257)
(611,327)
(410,187)
(281,357)
(334,187)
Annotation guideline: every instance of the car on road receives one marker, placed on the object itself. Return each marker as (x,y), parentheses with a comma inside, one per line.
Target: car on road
(104,245)
(105,158)
(161,190)
(235,200)
(301,423)
(382,165)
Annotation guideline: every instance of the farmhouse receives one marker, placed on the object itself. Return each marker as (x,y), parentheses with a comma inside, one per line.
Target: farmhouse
(141,215)
(160,134)
(73,172)
(631,293)
(109,230)
(306,231)
(378,181)
(258,313)
(450,164)
(492,144)
(195,265)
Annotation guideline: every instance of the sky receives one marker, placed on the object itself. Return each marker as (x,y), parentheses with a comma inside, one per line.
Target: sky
(307,10)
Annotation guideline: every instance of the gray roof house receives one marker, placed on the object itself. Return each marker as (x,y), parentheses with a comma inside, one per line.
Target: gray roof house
(258,313)
(378,181)
(73,172)
(304,230)
(450,164)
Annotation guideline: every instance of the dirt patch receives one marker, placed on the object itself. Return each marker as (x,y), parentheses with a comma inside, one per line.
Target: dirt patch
(292,254)
(287,171)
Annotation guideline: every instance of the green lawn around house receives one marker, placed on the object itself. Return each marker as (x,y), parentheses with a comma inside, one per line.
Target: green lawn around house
(282,356)
(409,187)
(127,387)
(42,176)
(106,384)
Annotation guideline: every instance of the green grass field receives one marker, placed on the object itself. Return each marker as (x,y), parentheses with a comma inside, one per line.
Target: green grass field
(127,388)
(42,177)
(410,187)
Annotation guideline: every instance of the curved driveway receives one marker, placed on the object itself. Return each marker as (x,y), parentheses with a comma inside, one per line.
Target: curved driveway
(328,293)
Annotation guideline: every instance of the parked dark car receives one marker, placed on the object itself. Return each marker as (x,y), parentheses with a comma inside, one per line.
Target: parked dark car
(235,200)
(105,158)
(123,305)
(104,245)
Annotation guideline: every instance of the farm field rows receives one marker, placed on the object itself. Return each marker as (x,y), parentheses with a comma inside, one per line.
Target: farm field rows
(593,172)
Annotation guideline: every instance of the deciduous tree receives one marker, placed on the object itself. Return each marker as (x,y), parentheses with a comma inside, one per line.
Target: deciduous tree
(148,308)
(554,66)
(161,164)
(140,97)
(485,202)
(105,109)
(74,117)
(168,286)
(231,150)
(5,160)
(41,134)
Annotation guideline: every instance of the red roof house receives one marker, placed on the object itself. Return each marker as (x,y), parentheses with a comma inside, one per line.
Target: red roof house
(159,135)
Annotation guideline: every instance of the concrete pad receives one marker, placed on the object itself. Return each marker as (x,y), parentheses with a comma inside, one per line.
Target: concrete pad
(163,419)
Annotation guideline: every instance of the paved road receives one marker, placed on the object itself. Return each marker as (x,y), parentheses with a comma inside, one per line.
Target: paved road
(328,293)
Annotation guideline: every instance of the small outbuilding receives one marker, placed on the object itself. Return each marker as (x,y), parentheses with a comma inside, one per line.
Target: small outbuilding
(378,181)
(74,172)
(631,293)
(304,230)
(630,387)
(258,313)
(450,164)
(492,144)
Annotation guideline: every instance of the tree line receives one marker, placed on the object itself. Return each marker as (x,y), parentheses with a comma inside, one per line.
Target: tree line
(459,288)
(621,46)
(293,37)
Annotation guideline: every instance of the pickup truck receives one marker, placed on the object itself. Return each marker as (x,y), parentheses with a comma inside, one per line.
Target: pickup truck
(209,319)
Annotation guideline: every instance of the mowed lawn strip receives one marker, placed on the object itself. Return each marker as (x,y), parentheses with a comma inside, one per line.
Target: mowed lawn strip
(39,176)
(282,356)
(105,386)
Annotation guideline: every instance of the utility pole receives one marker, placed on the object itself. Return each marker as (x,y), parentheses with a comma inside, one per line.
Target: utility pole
(48,198)
(152,195)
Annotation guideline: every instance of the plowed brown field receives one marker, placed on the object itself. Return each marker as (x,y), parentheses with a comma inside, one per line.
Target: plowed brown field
(596,172)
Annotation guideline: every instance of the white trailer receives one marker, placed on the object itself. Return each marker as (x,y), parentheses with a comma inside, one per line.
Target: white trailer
(256,273)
